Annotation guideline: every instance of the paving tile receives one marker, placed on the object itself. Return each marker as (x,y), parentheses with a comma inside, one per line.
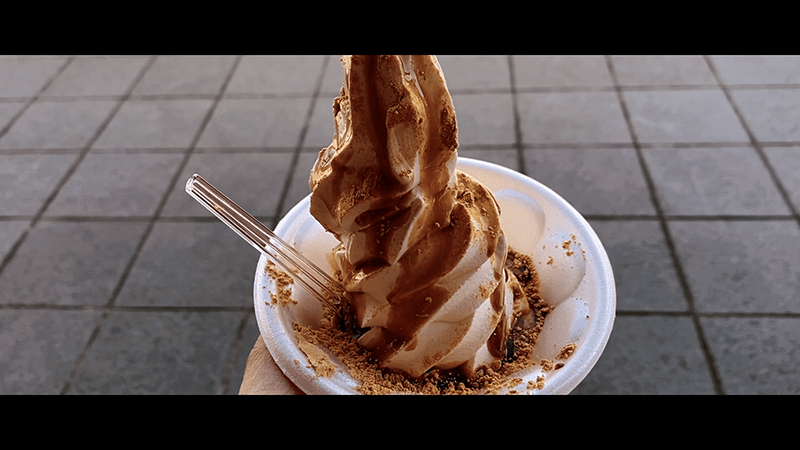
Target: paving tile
(650,355)
(252,180)
(69,263)
(786,162)
(320,127)
(758,69)
(772,114)
(192,264)
(572,117)
(471,73)
(755,355)
(8,111)
(644,272)
(25,77)
(97,76)
(55,125)
(332,78)
(9,233)
(299,187)
(502,157)
(27,180)
(251,333)
(154,124)
(484,119)
(741,266)
(38,348)
(560,71)
(662,70)
(276,75)
(593,180)
(713,181)
(159,353)
(185,75)
(683,116)
(273,122)
(116,185)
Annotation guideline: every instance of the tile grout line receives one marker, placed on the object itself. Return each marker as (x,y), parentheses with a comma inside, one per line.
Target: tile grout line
(31,100)
(704,346)
(295,95)
(98,323)
(300,140)
(518,144)
(109,307)
(307,149)
(754,142)
(175,180)
(233,354)
(238,343)
(24,236)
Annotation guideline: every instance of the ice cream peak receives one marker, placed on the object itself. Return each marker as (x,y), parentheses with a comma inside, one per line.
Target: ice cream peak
(422,253)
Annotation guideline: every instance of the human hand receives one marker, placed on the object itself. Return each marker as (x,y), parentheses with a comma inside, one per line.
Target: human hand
(263,377)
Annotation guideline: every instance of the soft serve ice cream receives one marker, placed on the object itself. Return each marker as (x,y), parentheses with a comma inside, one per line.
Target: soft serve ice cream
(421,251)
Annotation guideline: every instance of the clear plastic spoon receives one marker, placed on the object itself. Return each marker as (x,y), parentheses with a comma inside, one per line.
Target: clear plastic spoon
(309,275)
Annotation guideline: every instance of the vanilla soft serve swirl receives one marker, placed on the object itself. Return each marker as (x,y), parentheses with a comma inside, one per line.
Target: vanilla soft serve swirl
(421,254)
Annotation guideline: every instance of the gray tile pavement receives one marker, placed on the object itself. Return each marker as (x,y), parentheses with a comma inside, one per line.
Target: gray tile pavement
(154,124)
(72,263)
(683,116)
(506,157)
(114,281)
(25,77)
(298,186)
(475,73)
(660,70)
(593,180)
(57,124)
(185,75)
(115,185)
(713,181)
(484,119)
(651,355)
(572,117)
(786,163)
(561,72)
(40,348)
(755,355)
(259,187)
(757,69)
(178,353)
(215,268)
(26,181)
(320,127)
(270,122)
(10,232)
(8,111)
(644,272)
(772,114)
(748,266)
(279,75)
(96,76)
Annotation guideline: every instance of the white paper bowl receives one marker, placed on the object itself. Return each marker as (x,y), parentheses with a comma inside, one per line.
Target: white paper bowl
(577,282)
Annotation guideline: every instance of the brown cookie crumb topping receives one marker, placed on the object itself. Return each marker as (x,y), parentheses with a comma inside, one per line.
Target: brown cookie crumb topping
(376,381)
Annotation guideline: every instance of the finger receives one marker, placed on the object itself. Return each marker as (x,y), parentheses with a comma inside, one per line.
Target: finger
(263,376)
